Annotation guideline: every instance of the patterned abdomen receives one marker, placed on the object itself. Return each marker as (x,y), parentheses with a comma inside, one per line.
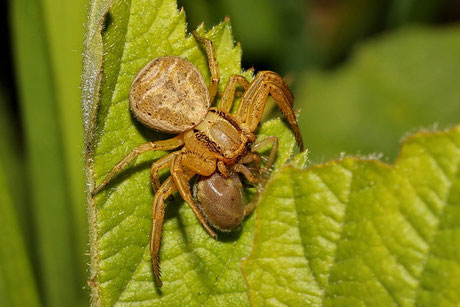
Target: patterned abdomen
(169,94)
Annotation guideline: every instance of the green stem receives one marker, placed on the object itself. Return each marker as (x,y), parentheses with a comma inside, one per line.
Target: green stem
(47,178)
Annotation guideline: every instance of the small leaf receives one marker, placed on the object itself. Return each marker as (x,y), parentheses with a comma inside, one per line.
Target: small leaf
(353,232)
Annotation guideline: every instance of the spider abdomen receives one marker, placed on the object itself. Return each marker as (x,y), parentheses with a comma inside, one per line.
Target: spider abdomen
(221,200)
(169,94)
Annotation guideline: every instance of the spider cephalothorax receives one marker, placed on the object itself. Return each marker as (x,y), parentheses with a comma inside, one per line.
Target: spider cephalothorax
(170,95)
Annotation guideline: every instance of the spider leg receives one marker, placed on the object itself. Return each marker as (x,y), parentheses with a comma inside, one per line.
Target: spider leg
(253,157)
(222,169)
(274,141)
(229,91)
(240,168)
(212,62)
(150,146)
(157,166)
(197,165)
(253,103)
(250,207)
(158,212)
(288,112)
(258,84)
(249,158)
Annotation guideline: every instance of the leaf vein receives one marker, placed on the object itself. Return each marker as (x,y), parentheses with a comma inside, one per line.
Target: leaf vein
(302,240)
(430,251)
(341,227)
(220,274)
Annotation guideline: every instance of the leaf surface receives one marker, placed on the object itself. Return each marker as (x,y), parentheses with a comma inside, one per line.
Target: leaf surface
(196,268)
(353,232)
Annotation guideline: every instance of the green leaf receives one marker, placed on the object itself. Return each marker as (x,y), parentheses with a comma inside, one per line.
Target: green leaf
(17,283)
(356,232)
(196,268)
(393,84)
(64,44)
(47,173)
(11,157)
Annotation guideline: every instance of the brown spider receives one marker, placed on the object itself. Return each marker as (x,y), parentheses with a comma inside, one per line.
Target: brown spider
(222,200)
(169,94)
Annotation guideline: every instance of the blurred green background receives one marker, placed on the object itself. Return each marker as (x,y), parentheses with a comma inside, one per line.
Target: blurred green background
(364,74)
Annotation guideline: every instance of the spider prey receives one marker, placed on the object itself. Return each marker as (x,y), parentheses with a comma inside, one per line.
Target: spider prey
(170,95)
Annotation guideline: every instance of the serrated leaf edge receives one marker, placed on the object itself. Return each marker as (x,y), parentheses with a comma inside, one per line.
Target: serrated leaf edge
(407,140)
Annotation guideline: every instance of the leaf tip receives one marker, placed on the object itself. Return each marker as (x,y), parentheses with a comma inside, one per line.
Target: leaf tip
(200,27)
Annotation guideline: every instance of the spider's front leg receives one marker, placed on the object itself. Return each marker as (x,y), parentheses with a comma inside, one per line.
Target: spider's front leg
(150,146)
(229,92)
(212,62)
(253,102)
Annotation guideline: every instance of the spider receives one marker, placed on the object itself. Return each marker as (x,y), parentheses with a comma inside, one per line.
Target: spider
(170,95)
(228,193)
